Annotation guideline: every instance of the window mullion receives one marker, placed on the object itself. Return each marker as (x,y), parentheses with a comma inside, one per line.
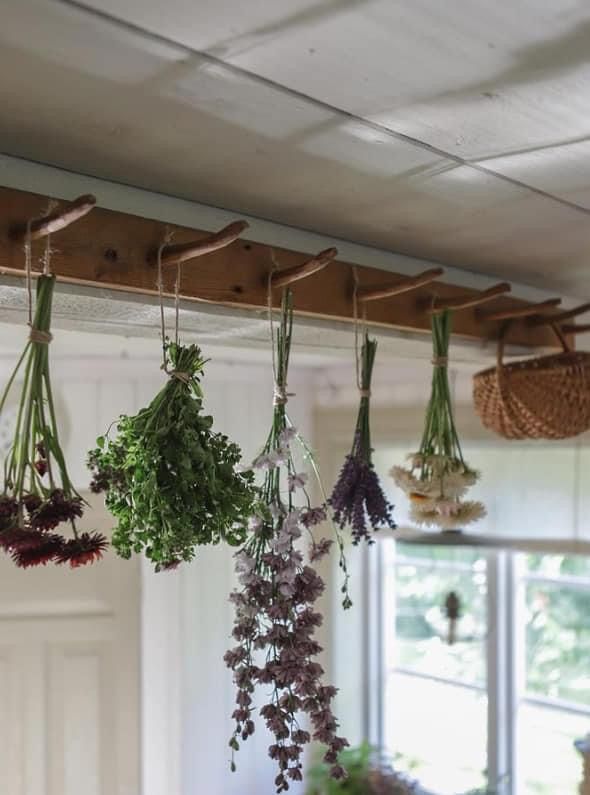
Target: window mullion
(498,653)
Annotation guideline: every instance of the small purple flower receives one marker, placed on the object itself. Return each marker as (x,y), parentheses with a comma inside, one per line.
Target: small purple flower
(358,499)
(310,517)
(320,549)
(297,480)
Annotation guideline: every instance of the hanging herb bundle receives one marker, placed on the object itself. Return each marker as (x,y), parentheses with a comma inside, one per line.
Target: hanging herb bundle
(37,494)
(274,607)
(170,480)
(438,477)
(358,499)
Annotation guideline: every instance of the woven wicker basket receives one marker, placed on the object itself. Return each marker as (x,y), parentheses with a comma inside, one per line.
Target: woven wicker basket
(543,398)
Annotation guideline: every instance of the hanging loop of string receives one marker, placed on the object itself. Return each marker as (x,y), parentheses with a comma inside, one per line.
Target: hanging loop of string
(35,334)
(280,394)
(178,374)
(360,327)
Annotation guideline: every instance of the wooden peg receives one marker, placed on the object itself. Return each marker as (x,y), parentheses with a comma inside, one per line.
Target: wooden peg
(521,311)
(466,302)
(402,286)
(560,317)
(572,329)
(313,265)
(55,220)
(181,252)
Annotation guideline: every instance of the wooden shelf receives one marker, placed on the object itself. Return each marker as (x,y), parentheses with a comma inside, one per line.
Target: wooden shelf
(111,249)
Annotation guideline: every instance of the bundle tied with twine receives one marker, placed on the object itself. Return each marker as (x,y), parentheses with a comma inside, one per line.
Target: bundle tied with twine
(276,673)
(169,479)
(546,397)
(37,495)
(358,500)
(437,477)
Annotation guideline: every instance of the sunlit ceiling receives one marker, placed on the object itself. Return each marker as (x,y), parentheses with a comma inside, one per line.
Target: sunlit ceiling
(452,131)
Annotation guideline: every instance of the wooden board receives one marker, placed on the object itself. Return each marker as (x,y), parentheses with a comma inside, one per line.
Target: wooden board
(115,250)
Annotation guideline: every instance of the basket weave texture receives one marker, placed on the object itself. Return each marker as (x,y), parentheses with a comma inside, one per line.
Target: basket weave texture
(547,397)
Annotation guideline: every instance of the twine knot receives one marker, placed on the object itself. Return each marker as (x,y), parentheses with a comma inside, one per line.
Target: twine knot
(440,361)
(180,375)
(365,393)
(281,396)
(43,337)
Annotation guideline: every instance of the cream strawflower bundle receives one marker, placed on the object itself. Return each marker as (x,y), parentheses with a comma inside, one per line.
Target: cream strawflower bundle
(437,477)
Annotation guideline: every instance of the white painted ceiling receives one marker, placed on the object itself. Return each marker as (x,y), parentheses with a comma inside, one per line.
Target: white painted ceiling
(455,131)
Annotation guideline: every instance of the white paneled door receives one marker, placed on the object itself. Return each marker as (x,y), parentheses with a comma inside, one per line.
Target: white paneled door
(69,677)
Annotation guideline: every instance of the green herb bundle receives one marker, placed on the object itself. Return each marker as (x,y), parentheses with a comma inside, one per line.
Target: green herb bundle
(37,494)
(170,480)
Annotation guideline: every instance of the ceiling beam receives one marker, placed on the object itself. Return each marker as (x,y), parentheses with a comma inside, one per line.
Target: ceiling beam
(113,249)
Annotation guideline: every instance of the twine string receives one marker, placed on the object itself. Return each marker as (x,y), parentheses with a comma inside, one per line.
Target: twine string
(440,361)
(28,272)
(280,394)
(359,325)
(35,335)
(181,376)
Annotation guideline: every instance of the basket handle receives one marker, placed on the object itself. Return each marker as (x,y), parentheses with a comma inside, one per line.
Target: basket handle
(502,341)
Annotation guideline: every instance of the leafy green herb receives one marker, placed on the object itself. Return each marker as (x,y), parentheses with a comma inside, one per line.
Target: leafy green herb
(170,480)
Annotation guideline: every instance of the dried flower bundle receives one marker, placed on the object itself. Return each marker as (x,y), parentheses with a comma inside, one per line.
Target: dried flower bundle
(438,477)
(170,480)
(275,619)
(358,499)
(37,493)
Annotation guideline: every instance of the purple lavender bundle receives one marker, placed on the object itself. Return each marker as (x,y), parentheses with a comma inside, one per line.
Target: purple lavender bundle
(275,604)
(358,499)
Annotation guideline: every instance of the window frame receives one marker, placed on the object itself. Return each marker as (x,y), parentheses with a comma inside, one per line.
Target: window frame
(362,715)
(506,578)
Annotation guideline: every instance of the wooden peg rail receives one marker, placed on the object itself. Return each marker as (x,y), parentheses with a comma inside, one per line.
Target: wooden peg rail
(175,253)
(115,250)
(283,277)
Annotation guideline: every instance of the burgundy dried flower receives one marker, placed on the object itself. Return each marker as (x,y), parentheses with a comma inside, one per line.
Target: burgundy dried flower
(8,512)
(32,502)
(19,538)
(48,547)
(56,509)
(86,548)
(41,466)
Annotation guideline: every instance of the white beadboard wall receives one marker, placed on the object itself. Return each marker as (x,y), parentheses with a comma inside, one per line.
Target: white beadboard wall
(186,617)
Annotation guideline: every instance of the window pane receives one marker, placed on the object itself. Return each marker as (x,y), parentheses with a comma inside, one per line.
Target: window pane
(436,733)
(558,642)
(422,584)
(548,763)
(559,565)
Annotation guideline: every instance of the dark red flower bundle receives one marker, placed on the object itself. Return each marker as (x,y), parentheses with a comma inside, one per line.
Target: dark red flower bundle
(37,494)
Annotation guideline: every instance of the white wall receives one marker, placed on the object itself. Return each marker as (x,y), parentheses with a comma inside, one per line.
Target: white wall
(187,693)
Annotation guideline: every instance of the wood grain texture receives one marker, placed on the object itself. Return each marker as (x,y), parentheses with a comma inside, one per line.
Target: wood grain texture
(112,249)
